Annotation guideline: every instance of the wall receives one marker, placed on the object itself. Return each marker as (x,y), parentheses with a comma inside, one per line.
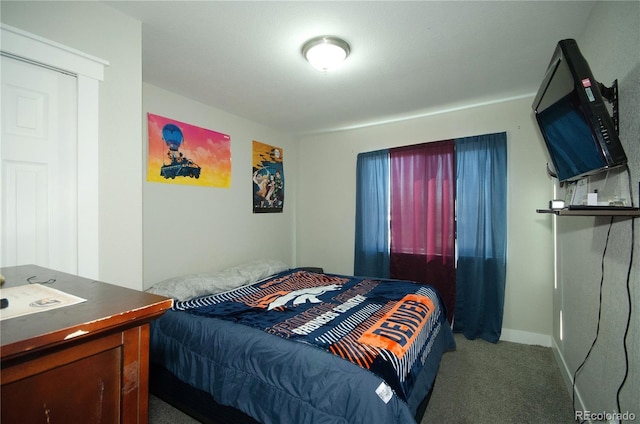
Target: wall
(326,201)
(610,44)
(99,30)
(190,229)
(219,222)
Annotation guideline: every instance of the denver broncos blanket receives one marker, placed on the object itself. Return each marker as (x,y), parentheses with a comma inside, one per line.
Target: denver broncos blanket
(385,326)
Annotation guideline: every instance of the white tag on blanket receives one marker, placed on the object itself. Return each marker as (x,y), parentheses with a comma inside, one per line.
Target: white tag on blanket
(384,392)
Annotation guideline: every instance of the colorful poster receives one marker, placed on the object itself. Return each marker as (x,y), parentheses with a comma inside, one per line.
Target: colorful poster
(180,153)
(268,178)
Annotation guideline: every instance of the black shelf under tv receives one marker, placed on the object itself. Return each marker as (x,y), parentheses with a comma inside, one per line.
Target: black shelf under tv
(613,211)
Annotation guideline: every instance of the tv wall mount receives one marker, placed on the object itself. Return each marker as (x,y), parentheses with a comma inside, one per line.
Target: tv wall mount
(611,95)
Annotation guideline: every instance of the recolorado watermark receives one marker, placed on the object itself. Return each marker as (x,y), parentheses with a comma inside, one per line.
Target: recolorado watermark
(604,416)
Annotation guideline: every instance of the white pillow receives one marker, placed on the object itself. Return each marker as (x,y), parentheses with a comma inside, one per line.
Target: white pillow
(187,287)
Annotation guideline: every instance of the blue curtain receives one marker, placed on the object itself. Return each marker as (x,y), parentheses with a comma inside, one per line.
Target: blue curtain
(372,215)
(481,194)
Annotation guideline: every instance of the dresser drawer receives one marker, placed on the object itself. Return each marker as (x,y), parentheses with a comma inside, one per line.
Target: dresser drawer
(81,384)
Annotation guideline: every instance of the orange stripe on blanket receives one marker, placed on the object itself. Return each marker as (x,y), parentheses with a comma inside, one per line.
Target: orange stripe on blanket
(399,327)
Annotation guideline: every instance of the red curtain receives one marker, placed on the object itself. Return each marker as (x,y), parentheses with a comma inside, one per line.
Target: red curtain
(423,217)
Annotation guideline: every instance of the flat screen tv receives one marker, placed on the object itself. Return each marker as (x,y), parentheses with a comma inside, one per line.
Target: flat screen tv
(578,130)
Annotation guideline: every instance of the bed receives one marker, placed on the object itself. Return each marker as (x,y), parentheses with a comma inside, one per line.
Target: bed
(263,343)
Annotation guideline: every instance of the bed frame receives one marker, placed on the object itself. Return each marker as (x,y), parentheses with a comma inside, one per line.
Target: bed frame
(201,405)
(194,402)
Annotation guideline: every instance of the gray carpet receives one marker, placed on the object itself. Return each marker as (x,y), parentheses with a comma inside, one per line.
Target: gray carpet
(480,382)
(506,382)
(162,413)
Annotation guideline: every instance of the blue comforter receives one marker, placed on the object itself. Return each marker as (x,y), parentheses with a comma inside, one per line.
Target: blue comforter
(346,350)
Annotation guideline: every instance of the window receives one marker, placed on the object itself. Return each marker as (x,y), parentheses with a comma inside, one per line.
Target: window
(406,228)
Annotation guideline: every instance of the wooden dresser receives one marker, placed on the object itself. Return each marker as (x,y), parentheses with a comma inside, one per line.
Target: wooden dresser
(83,363)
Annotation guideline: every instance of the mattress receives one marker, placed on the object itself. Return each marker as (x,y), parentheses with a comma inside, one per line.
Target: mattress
(309,347)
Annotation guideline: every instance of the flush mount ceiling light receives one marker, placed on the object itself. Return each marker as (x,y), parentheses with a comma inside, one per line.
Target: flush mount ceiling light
(325,52)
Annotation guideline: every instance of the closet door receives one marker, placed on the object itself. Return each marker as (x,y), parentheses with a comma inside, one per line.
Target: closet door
(38,167)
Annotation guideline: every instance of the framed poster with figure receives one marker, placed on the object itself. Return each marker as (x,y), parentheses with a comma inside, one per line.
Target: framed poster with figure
(268,178)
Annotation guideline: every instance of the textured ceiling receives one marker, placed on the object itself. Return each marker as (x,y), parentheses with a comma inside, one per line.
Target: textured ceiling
(407,58)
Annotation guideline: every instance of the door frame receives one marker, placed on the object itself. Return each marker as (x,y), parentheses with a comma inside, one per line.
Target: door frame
(89,71)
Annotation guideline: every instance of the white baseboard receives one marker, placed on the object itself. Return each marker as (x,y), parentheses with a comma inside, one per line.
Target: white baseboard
(525,337)
(567,376)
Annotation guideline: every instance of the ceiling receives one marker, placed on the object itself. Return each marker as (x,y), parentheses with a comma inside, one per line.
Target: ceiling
(407,59)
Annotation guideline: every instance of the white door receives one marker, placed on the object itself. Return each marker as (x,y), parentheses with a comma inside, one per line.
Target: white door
(38,167)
